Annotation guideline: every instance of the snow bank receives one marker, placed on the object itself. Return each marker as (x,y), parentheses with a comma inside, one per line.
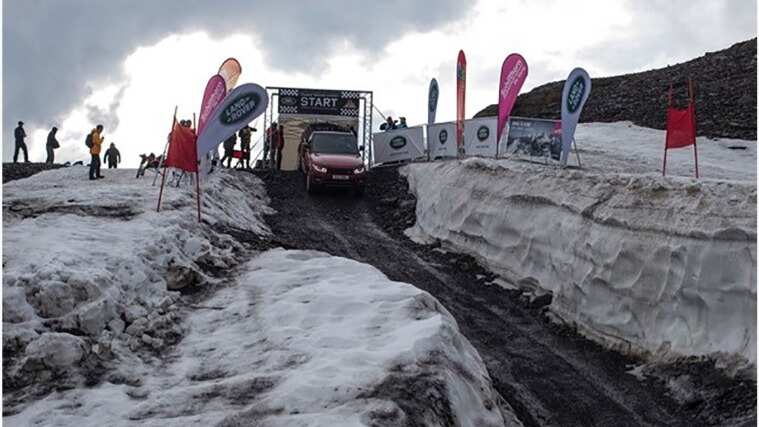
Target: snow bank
(89,267)
(625,148)
(652,265)
(303,339)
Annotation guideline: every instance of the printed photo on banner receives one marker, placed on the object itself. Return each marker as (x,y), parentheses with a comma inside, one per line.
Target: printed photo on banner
(534,138)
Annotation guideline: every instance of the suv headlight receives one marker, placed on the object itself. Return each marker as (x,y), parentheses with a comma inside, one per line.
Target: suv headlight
(320,169)
(359,169)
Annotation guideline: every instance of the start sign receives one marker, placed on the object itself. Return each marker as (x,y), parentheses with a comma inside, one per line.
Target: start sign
(342,103)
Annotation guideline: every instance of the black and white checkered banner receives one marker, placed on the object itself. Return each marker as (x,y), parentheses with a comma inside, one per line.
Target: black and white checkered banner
(343,103)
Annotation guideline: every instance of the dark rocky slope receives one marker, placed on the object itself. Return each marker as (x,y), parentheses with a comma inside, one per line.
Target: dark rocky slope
(725,86)
(13,171)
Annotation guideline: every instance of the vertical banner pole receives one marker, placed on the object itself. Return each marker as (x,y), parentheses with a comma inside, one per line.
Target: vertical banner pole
(163,157)
(577,153)
(197,172)
(669,104)
(197,191)
(370,139)
(266,129)
(693,120)
(163,178)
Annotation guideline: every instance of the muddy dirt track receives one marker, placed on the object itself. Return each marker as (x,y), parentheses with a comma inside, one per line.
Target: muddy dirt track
(547,373)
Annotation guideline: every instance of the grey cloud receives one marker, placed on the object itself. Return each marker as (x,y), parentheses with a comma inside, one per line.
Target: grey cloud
(107,117)
(676,29)
(52,47)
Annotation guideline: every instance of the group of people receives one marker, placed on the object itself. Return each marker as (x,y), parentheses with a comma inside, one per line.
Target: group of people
(274,142)
(94,142)
(391,124)
(245,135)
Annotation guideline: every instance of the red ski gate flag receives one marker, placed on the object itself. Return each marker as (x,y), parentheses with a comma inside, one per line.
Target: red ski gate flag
(681,127)
(182,149)
(460,100)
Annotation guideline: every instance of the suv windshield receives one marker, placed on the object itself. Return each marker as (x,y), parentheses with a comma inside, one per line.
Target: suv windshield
(334,143)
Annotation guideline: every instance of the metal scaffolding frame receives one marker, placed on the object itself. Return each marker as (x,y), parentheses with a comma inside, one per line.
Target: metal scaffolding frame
(366,105)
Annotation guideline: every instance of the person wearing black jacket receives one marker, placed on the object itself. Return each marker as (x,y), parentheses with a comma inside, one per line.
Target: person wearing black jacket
(229,148)
(112,156)
(52,144)
(245,134)
(19,134)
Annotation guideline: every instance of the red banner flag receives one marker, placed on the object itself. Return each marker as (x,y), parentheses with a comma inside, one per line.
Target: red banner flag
(216,90)
(182,149)
(513,75)
(460,101)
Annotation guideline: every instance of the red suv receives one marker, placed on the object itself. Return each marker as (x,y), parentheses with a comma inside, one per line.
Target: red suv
(330,157)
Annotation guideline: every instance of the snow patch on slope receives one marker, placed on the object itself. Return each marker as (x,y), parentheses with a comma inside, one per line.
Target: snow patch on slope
(650,265)
(304,339)
(622,147)
(90,269)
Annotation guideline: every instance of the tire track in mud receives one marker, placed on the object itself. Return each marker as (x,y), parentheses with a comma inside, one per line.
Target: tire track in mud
(548,373)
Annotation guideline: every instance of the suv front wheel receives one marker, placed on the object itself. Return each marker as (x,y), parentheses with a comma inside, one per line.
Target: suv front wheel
(310,188)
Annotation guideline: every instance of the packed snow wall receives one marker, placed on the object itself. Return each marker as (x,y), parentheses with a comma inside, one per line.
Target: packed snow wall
(648,265)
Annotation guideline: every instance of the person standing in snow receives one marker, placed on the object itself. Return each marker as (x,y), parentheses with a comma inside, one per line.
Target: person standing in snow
(52,144)
(229,148)
(112,156)
(95,141)
(19,134)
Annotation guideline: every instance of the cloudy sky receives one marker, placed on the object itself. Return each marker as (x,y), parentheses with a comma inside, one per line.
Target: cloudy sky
(127,63)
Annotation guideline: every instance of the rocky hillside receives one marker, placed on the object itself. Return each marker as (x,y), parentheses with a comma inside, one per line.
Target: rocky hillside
(13,171)
(725,86)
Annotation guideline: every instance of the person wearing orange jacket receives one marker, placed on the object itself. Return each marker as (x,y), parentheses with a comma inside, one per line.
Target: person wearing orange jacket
(95,141)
